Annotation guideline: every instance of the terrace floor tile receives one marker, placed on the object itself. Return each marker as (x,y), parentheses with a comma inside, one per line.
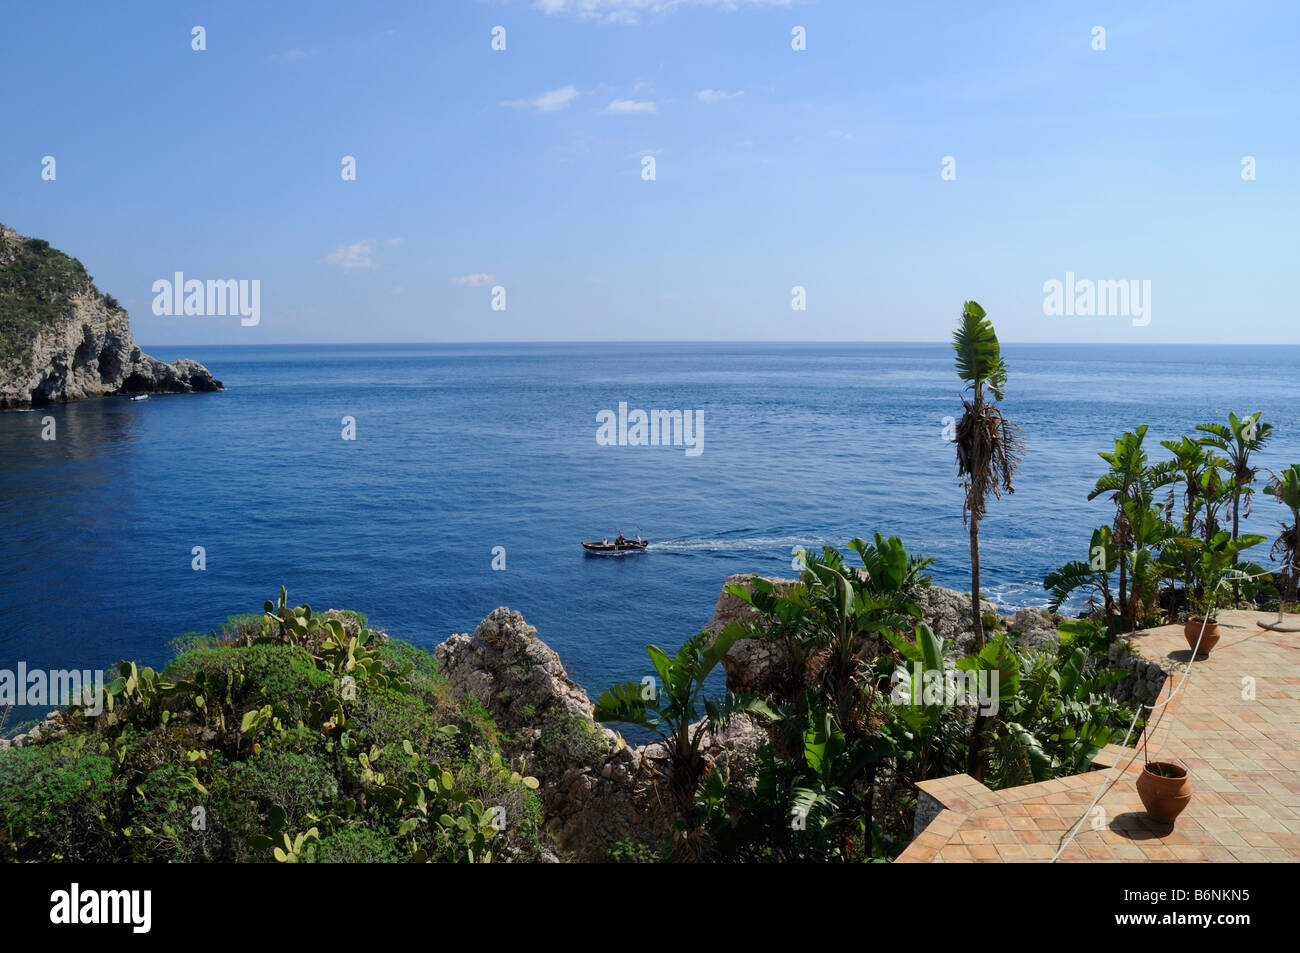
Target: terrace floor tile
(1243,755)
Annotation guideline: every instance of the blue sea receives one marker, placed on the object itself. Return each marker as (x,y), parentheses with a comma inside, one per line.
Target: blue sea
(462,449)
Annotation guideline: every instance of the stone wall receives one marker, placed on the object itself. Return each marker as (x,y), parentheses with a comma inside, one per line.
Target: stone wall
(1146,678)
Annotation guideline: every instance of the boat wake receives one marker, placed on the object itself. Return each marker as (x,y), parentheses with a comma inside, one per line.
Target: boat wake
(773,545)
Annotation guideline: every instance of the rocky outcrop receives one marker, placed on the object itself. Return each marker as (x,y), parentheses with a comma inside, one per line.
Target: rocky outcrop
(1037,629)
(51,728)
(947,612)
(65,341)
(752,665)
(596,790)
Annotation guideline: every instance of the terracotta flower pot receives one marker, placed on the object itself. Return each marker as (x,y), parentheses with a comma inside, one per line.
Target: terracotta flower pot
(1164,797)
(1192,631)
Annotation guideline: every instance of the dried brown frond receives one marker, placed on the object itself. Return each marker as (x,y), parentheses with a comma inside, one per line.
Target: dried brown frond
(989,448)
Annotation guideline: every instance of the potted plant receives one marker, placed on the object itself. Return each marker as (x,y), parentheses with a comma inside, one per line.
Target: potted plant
(1201,630)
(1165,789)
(1210,570)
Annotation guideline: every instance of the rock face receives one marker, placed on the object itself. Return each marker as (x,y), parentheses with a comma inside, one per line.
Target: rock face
(752,665)
(596,790)
(1036,628)
(947,612)
(51,728)
(63,340)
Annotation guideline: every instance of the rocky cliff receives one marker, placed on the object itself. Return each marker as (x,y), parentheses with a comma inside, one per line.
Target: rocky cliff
(62,340)
(597,791)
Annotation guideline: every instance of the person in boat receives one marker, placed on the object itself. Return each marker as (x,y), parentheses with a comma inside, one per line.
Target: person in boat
(605,541)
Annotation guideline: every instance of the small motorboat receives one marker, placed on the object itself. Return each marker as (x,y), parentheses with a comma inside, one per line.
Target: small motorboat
(616,547)
(140,397)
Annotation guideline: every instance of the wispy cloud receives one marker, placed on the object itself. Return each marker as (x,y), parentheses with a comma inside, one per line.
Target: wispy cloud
(717,95)
(622,107)
(549,102)
(629,11)
(476,280)
(289,56)
(358,255)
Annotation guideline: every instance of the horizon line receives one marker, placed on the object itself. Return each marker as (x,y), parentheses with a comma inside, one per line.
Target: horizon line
(1232,344)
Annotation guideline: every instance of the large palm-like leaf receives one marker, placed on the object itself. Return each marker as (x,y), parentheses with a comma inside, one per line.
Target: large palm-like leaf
(1285,488)
(979,358)
(1094,575)
(1237,440)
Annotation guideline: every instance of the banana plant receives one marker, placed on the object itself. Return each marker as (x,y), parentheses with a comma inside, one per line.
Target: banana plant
(1285,488)
(1055,722)
(1188,469)
(1237,440)
(920,712)
(1092,576)
(995,664)
(675,709)
(1150,536)
(824,804)
(1127,480)
(787,619)
(1212,568)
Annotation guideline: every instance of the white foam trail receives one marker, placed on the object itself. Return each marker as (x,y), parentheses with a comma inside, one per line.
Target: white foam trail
(776,544)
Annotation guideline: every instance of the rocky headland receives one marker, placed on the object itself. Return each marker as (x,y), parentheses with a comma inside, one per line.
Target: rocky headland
(61,339)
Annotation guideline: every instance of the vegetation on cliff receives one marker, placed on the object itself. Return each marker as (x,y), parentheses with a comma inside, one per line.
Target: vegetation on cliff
(62,340)
(37,285)
(290,736)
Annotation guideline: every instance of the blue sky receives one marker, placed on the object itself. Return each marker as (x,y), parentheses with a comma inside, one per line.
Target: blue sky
(774,168)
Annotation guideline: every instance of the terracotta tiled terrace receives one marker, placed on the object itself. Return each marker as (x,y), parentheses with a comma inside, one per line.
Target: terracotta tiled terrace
(1243,753)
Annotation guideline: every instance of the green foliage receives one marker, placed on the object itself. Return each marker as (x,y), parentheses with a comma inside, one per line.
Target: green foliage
(1212,570)
(566,740)
(57,802)
(979,357)
(1285,488)
(292,737)
(36,289)
(1054,721)
(631,852)
(835,780)
(1182,540)
(675,708)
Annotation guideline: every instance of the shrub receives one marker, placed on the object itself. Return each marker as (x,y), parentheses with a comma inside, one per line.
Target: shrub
(259,727)
(355,845)
(56,803)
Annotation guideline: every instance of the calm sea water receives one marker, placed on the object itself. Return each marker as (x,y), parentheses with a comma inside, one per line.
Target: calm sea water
(460,449)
